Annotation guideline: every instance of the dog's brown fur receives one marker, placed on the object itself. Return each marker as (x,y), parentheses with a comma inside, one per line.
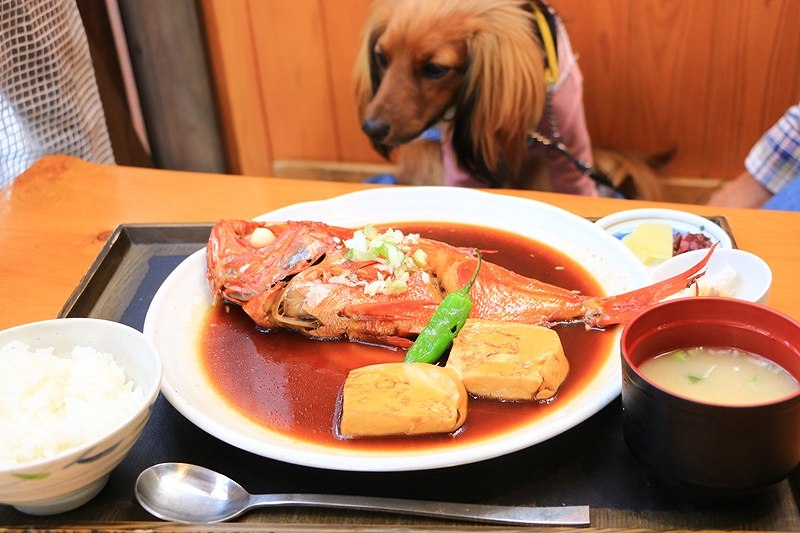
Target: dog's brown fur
(491,94)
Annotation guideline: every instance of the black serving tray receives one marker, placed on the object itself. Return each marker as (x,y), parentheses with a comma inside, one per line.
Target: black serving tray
(587,465)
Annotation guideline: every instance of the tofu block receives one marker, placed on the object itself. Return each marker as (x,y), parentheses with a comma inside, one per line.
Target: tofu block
(509,361)
(651,242)
(402,399)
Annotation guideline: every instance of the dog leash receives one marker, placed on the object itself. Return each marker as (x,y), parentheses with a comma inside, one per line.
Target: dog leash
(551,75)
(597,175)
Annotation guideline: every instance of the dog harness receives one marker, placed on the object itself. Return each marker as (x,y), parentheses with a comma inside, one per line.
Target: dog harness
(546,28)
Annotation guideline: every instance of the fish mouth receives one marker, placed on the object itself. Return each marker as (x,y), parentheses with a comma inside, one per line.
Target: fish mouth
(289,312)
(297,323)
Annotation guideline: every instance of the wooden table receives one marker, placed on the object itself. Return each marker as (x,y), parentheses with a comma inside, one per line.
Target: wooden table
(56,218)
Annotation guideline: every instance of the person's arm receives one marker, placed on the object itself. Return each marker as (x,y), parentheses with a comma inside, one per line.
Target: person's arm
(743,191)
(773,162)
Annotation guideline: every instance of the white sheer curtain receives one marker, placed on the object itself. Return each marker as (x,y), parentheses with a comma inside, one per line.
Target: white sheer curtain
(49,101)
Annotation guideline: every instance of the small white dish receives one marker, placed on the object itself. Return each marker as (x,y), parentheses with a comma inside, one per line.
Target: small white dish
(624,222)
(752,280)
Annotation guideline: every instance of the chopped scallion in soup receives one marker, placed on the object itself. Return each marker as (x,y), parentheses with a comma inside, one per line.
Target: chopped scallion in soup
(726,376)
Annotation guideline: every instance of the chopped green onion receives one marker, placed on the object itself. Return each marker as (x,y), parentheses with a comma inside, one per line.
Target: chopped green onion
(390,248)
(36,476)
(370,232)
(681,355)
(393,254)
(420,257)
(753,382)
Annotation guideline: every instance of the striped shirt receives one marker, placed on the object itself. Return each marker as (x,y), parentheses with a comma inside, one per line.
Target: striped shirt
(774,161)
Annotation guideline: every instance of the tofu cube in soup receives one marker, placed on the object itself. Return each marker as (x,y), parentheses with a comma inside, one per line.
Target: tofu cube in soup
(402,399)
(508,361)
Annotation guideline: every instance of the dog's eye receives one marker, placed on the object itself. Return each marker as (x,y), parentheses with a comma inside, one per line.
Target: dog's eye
(434,71)
(380,59)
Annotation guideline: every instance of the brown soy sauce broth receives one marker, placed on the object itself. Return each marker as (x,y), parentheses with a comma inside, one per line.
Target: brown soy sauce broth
(291,384)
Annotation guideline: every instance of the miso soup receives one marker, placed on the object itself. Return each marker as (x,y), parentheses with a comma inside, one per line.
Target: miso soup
(720,375)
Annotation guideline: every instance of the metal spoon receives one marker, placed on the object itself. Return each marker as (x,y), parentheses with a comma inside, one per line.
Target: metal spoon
(192,494)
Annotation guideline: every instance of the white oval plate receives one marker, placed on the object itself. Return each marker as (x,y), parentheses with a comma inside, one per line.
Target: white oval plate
(176,314)
(752,281)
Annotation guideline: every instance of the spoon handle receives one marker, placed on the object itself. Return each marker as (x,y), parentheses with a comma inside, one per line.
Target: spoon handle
(497,514)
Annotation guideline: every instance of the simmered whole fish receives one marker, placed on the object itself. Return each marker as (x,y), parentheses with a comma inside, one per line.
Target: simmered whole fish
(313,278)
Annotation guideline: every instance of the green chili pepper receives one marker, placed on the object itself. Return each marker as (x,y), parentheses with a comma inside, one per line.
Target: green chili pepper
(446,322)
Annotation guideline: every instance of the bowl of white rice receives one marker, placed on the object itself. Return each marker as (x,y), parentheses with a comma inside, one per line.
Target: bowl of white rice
(75,395)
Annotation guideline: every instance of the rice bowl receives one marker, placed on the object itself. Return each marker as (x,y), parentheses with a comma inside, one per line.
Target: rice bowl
(66,479)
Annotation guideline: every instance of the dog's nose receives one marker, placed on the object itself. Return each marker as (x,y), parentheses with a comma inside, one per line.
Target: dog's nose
(376,129)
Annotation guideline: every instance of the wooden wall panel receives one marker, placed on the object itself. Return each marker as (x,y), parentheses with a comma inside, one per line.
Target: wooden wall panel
(242,108)
(701,77)
(343,24)
(704,77)
(291,53)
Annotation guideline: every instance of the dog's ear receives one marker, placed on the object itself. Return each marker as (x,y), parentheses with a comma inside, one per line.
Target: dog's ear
(467,149)
(367,79)
(367,74)
(503,95)
(374,68)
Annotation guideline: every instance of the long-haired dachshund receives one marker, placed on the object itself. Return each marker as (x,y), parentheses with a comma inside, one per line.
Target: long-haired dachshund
(477,70)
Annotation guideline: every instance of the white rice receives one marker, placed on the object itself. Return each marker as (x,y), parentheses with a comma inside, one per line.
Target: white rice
(51,402)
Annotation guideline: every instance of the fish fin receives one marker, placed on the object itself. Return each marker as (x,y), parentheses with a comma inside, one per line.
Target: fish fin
(622,307)
(390,310)
(384,340)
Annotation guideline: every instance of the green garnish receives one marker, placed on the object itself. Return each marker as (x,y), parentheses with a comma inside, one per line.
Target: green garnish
(41,475)
(681,355)
(447,320)
(393,250)
(753,382)
(695,379)
(420,257)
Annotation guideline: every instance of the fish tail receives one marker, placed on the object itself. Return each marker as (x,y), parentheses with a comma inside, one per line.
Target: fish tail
(622,307)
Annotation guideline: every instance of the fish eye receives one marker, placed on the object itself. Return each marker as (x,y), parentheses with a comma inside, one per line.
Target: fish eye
(434,71)
(380,59)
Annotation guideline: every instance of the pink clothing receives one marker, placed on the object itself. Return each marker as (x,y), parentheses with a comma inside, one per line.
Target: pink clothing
(571,124)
